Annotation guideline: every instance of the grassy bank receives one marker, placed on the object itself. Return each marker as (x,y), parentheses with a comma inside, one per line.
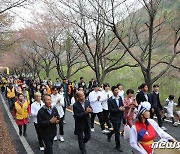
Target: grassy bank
(130,78)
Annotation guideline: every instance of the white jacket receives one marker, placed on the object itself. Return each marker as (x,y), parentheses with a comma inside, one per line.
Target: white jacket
(58,103)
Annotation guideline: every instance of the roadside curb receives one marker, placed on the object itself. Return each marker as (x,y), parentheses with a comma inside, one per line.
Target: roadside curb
(22,138)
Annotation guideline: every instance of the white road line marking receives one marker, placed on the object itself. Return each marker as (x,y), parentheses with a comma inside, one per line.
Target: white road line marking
(22,138)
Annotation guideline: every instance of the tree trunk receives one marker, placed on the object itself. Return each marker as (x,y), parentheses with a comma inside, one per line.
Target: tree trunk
(149,80)
(102,78)
(47,72)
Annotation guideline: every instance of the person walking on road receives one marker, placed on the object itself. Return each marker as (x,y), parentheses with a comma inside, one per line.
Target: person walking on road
(106,94)
(129,104)
(156,105)
(10,95)
(145,130)
(169,104)
(35,107)
(116,109)
(21,111)
(95,98)
(81,111)
(58,102)
(47,119)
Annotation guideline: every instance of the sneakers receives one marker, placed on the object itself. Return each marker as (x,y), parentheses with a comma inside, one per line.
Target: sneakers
(163,128)
(61,139)
(41,148)
(105,131)
(64,122)
(175,124)
(92,129)
(110,129)
(55,138)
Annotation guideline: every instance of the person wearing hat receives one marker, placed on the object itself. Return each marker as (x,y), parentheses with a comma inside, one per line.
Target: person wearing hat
(145,130)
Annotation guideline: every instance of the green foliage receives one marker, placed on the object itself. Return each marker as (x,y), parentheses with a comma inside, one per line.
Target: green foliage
(129,78)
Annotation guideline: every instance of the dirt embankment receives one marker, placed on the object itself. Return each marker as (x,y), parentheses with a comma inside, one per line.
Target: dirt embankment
(6,146)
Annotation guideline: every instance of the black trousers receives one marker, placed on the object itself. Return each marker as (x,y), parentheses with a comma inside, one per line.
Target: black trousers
(64,109)
(83,137)
(24,129)
(116,131)
(11,102)
(61,127)
(100,117)
(48,145)
(106,118)
(38,131)
(157,111)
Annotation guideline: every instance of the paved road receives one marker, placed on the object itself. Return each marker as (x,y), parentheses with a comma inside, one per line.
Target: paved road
(97,145)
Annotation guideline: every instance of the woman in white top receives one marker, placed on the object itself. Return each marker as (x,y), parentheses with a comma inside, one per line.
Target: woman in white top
(58,102)
(121,91)
(106,94)
(145,130)
(35,107)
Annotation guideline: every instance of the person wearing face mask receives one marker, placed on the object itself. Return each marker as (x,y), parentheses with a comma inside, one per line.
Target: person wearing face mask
(129,104)
(145,130)
(82,83)
(95,99)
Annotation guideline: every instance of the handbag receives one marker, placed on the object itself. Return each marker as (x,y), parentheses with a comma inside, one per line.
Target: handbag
(126,131)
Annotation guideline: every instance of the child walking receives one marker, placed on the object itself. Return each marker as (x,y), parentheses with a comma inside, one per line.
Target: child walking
(169,104)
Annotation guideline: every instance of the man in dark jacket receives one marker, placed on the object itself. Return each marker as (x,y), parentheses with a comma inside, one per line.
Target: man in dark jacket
(81,111)
(47,119)
(116,109)
(143,95)
(156,105)
(82,83)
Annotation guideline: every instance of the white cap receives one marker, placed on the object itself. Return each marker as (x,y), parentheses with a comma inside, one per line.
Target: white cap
(143,107)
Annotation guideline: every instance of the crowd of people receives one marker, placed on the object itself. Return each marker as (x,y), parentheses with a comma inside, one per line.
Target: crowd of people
(46,102)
